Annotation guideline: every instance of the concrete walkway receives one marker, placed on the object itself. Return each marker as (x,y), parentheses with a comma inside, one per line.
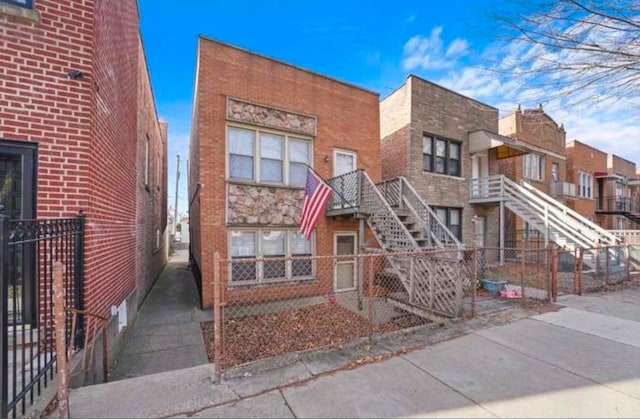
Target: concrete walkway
(581,361)
(166,334)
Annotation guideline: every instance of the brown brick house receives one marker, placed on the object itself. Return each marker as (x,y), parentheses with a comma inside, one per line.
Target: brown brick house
(257,123)
(79,129)
(607,186)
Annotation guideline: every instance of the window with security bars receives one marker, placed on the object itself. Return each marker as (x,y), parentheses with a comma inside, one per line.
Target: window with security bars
(267,157)
(265,255)
(441,156)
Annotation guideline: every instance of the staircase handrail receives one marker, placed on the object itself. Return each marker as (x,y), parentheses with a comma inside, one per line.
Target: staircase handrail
(406,185)
(389,211)
(566,210)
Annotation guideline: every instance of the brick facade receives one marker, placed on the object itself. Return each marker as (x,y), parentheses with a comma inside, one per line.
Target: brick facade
(87,131)
(347,118)
(420,108)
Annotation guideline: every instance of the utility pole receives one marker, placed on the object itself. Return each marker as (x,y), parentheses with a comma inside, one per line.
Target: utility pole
(175,208)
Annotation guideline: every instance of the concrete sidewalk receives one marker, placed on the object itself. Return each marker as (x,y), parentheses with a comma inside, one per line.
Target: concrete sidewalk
(582,361)
(166,334)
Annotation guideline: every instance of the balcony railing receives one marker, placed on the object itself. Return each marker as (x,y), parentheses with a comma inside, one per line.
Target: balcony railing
(618,205)
(346,193)
(563,190)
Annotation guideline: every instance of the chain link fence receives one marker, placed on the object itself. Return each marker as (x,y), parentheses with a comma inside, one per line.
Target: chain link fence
(274,306)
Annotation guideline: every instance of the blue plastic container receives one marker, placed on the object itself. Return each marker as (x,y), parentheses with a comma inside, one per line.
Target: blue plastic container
(494,286)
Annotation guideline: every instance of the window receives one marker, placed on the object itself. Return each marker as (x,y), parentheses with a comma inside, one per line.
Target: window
(452,218)
(554,172)
(441,156)
(24,3)
(267,157)
(269,255)
(146,162)
(241,150)
(533,167)
(585,182)
(157,238)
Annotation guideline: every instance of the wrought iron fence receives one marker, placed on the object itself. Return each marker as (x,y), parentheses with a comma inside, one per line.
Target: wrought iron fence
(28,250)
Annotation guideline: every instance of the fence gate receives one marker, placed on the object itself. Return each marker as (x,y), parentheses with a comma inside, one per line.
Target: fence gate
(28,250)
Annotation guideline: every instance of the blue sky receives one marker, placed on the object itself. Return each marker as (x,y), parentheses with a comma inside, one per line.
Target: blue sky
(374,44)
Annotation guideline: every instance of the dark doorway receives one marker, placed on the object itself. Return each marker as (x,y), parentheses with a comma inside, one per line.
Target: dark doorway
(17,196)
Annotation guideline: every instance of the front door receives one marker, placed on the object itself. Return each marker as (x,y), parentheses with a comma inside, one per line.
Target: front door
(345,271)
(17,186)
(479,170)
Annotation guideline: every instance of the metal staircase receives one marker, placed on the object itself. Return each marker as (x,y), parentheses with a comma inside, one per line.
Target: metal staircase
(557,222)
(403,225)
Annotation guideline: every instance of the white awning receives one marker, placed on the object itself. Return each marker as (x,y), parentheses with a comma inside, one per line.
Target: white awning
(481,140)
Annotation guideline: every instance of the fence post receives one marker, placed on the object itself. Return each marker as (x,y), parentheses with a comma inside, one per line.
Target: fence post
(580,266)
(78,286)
(4,316)
(627,261)
(554,273)
(61,339)
(370,311)
(217,319)
(522,265)
(606,265)
(412,283)
(474,280)
(459,290)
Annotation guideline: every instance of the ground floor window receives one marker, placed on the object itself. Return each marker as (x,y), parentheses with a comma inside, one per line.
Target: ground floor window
(452,218)
(263,255)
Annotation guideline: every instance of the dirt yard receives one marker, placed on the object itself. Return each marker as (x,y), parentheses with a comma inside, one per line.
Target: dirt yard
(261,336)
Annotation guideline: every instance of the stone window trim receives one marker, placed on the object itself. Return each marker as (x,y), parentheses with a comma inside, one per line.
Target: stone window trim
(260,260)
(451,166)
(22,11)
(268,116)
(286,160)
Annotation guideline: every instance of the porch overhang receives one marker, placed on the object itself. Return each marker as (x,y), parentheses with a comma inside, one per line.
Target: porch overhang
(506,147)
(608,176)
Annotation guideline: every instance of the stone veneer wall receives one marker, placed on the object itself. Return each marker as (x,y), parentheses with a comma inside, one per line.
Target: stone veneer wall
(263,205)
(265,116)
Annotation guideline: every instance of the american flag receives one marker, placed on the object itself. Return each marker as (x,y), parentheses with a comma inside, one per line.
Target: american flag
(316,196)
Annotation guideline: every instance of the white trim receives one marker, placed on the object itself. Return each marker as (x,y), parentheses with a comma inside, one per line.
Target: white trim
(338,262)
(344,152)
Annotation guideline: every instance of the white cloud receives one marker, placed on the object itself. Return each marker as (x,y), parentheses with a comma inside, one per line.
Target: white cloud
(505,75)
(428,53)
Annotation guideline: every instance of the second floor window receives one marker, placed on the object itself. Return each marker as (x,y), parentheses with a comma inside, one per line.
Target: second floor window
(585,185)
(267,157)
(533,167)
(441,156)
(554,172)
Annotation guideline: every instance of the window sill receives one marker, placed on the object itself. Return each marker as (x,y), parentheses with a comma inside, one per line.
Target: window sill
(264,283)
(426,172)
(264,185)
(19,12)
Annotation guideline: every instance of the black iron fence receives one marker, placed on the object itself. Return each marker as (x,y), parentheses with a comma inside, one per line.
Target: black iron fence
(28,250)
(619,204)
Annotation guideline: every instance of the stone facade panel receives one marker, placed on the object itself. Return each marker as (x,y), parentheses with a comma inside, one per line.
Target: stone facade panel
(265,116)
(264,205)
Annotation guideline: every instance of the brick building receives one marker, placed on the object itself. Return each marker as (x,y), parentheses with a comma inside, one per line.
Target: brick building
(78,127)
(608,189)
(257,123)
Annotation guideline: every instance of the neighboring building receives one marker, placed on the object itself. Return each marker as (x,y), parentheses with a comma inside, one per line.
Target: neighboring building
(583,163)
(79,129)
(257,124)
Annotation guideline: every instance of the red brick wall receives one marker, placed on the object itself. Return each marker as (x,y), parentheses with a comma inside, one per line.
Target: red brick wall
(151,196)
(347,117)
(584,158)
(85,129)
(40,104)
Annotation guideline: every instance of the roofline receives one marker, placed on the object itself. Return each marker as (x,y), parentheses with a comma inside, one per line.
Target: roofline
(574,141)
(451,91)
(622,158)
(306,70)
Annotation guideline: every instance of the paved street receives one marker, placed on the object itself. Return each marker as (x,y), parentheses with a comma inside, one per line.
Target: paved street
(582,361)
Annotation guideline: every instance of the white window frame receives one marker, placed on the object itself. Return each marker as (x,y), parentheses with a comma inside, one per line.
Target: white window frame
(260,258)
(585,185)
(353,154)
(528,167)
(257,158)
